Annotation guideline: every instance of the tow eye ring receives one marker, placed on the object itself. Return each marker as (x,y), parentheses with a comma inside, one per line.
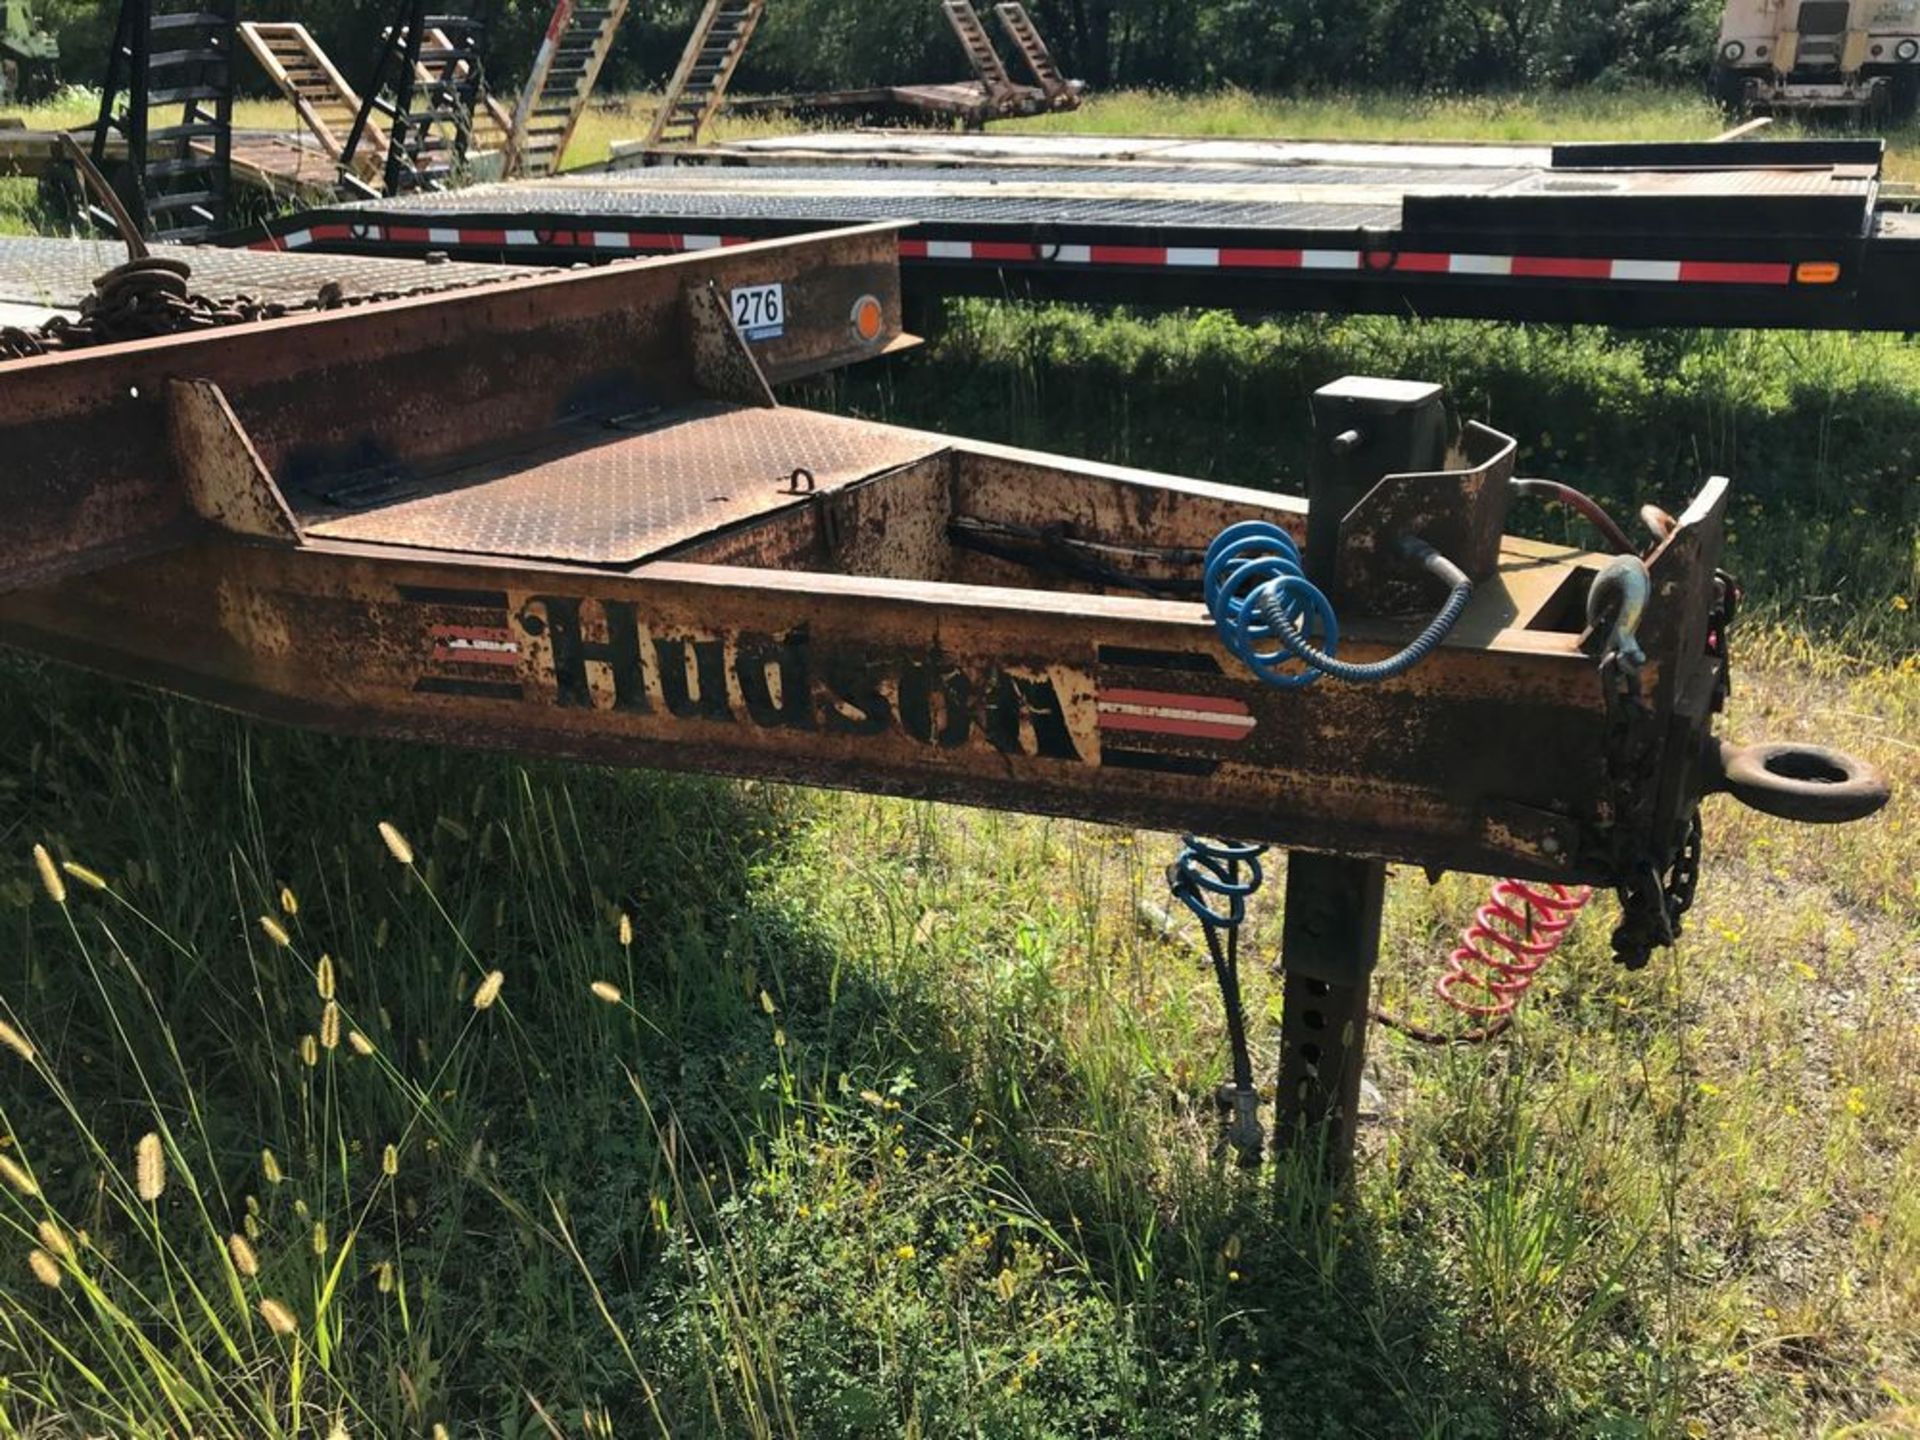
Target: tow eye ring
(1806,783)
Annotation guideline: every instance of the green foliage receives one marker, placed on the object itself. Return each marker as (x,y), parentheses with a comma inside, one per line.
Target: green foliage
(1114,44)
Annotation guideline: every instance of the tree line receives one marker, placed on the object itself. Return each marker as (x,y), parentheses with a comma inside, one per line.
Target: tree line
(1259,45)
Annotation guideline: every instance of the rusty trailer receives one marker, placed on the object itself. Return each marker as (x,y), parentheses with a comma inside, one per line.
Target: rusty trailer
(565,516)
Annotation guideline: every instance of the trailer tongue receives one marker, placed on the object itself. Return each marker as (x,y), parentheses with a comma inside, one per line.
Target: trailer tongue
(565,516)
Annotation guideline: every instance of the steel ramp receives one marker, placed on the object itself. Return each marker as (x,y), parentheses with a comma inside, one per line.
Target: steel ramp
(178,175)
(492,123)
(1025,36)
(565,71)
(314,86)
(427,85)
(706,68)
(980,50)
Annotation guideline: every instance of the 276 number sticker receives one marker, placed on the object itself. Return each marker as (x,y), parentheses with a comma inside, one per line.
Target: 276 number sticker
(760,311)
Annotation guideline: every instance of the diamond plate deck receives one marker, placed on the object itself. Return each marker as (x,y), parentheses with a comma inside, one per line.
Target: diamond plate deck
(57,274)
(1153,194)
(1165,196)
(591,495)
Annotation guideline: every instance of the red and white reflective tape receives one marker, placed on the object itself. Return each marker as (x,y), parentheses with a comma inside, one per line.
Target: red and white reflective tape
(1189,717)
(1239,259)
(1372,262)
(474,645)
(623,242)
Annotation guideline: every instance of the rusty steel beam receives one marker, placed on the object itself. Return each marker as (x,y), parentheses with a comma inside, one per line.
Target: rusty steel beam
(90,483)
(1018,698)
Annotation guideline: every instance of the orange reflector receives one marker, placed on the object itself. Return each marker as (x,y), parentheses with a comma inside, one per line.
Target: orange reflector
(869,318)
(1817,272)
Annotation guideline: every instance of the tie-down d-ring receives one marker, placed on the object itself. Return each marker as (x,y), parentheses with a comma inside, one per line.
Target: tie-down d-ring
(1379,251)
(1807,783)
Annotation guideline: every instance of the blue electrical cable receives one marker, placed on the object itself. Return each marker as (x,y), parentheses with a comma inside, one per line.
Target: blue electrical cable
(1207,873)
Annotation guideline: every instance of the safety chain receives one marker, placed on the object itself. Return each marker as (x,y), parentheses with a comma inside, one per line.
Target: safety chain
(1653,900)
(1653,905)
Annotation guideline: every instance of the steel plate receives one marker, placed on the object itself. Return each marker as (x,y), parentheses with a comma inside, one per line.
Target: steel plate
(596,496)
(58,274)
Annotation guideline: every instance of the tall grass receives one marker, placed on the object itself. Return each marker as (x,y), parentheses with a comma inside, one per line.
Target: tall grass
(803,1115)
(1537,117)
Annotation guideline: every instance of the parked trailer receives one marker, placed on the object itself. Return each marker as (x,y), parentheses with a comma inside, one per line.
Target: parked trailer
(1794,56)
(564,516)
(1782,234)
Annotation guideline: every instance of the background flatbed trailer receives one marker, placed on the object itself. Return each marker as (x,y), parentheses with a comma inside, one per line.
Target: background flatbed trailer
(1774,234)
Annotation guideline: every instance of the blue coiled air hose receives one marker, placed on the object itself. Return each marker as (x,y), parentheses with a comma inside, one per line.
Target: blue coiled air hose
(1270,615)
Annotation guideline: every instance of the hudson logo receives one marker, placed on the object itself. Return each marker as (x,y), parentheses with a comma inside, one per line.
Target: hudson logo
(599,655)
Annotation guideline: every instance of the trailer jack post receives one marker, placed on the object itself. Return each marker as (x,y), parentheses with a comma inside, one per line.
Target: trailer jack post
(1364,430)
(1330,943)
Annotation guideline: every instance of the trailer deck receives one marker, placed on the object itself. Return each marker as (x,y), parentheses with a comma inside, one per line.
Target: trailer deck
(1783,234)
(41,277)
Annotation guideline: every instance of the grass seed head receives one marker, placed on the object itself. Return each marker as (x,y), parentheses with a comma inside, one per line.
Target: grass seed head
(359,1043)
(383,1277)
(396,843)
(606,990)
(92,879)
(330,1026)
(54,1239)
(16,1042)
(18,1178)
(626,930)
(320,1238)
(244,1258)
(489,990)
(289,902)
(150,1168)
(390,1162)
(270,1167)
(50,875)
(310,1050)
(276,932)
(45,1268)
(323,977)
(278,1317)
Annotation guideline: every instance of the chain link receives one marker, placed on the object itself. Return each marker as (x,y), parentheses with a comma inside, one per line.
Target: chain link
(153,296)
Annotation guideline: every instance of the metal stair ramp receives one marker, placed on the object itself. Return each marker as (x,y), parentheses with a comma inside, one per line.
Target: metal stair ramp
(1025,36)
(565,71)
(178,176)
(427,91)
(700,83)
(326,104)
(979,46)
(492,123)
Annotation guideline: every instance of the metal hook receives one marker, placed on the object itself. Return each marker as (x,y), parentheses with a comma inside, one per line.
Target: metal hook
(1618,602)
